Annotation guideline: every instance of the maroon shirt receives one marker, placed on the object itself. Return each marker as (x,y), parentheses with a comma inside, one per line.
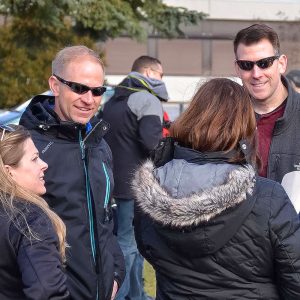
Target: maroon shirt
(265,127)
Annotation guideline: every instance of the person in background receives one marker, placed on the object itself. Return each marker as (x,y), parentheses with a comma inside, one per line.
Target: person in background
(79,181)
(135,116)
(294,78)
(211,228)
(32,237)
(166,124)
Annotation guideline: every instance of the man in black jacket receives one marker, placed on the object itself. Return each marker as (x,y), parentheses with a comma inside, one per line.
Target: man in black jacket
(261,65)
(135,115)
(294,78)
(79,182)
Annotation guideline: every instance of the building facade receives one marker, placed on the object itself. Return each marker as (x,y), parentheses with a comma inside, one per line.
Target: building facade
(207,49)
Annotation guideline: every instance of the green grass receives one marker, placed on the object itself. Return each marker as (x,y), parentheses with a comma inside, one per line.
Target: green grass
(149,277)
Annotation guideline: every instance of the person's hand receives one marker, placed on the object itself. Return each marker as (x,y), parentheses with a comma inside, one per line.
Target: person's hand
(114,291)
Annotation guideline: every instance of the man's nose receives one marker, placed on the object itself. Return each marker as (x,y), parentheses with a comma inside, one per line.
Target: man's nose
(256,71)
(88,97)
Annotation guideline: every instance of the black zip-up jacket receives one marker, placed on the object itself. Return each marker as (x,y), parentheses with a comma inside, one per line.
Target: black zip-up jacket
(135,116)
(284,155)
(215,231)
(79,183)
(30,268)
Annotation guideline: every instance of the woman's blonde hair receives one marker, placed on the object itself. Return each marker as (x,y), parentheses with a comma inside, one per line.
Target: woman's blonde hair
(11,193)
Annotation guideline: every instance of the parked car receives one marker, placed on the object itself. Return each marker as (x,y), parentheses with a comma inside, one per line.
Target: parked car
(12,116)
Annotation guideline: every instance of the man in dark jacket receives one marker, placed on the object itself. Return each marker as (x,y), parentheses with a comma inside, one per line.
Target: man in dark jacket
(294,78)
(261,66)
(80,180)
(135,115)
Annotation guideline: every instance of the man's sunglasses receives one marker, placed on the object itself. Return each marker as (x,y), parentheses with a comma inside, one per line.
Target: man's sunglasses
(5,128)
(80,89)
(264,63)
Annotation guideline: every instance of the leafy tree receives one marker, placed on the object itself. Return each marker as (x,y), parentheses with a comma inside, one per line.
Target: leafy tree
(136,18)
(34,30)
(25,70)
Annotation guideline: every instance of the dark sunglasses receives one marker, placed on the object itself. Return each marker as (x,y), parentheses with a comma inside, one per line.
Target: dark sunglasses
(5,128)
(161,74)
(264,63)
(80,89)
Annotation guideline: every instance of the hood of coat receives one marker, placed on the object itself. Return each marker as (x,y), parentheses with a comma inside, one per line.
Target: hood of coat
(192,205)
(39,115)
(137,82)
(40,112)
(289,112)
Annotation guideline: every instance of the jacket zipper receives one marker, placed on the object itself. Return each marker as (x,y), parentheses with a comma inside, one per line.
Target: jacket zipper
(107,194)
(90,209)
(277,156)
(89,133)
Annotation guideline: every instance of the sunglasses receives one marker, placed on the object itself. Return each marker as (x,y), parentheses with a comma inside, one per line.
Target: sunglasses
(264,63)
(81,89)
(161,74)
(5,128)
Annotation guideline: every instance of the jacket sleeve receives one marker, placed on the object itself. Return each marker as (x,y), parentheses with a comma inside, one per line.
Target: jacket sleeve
(285,237)
(148,110)
(39,260)
(119,263)
(150,132)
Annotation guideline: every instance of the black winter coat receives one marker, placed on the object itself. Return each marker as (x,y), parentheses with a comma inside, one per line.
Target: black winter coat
(215,231)
(30,268)
(79,183)
(284,154)
(135,116)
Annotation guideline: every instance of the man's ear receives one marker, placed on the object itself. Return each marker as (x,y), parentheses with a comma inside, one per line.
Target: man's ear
(54,85)
(282,63)
(146,72)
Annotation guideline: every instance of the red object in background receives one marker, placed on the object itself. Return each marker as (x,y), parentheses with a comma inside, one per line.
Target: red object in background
(166,124)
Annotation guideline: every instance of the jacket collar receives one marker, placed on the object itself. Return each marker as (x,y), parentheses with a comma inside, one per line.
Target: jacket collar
(39,115)
(137,82)
(291,109)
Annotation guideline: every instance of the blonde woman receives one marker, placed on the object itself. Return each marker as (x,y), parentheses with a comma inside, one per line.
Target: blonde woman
(32,237)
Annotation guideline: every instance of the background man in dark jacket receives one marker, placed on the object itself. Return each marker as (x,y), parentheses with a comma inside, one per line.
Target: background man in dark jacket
(294,77)
(261,65)
(135,115)
(79,181)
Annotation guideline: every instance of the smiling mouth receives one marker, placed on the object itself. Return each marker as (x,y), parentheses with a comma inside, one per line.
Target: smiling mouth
(258,84)
(84,109)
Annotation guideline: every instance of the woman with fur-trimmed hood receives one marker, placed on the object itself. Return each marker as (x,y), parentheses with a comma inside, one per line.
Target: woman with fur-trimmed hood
(210,227)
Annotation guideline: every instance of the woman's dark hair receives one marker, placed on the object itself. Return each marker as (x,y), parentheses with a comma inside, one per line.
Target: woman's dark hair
(219,116)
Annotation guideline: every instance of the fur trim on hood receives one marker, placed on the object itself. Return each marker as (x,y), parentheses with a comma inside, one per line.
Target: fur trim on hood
(195,208)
